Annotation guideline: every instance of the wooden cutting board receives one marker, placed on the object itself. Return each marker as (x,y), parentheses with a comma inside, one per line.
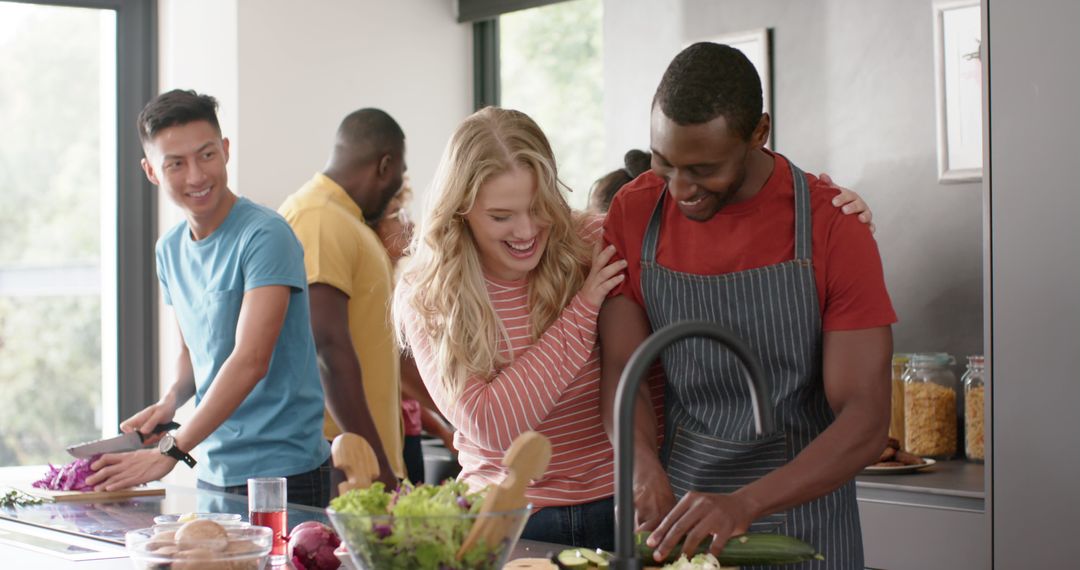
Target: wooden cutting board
(97,496)
(22,478)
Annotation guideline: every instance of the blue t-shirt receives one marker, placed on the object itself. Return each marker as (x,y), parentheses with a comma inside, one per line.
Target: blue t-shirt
(277,430)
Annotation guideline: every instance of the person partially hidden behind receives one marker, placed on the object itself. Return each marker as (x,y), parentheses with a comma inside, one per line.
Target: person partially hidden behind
(418,411)
(351,280)
(234,274)
(635,163)
(724,230)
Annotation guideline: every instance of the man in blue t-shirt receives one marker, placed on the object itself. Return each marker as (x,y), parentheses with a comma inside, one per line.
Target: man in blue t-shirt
(234,274)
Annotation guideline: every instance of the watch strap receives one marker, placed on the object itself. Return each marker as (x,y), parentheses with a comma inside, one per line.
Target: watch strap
(177,454)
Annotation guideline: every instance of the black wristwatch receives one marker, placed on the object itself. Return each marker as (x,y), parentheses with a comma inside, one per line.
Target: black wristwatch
(167,446)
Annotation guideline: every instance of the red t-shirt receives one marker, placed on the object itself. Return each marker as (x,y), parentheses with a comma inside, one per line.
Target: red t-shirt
(756,233)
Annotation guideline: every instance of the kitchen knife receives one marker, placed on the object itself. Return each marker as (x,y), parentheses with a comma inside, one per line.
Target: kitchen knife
(123,442)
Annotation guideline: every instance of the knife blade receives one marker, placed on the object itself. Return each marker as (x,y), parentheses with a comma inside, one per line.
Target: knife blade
(123,442)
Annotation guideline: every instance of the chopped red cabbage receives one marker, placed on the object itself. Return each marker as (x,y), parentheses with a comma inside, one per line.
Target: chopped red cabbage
(70,477)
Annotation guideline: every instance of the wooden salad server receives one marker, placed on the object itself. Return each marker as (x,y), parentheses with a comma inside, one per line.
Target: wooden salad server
(527,459)
(354,456)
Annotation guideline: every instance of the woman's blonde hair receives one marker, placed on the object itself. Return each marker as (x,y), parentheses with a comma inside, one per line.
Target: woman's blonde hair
(444,281)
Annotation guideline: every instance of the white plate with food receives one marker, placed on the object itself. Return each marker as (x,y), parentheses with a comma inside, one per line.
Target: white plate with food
(897,469)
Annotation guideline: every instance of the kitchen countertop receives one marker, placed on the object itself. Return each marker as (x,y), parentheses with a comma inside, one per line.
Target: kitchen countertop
(957,484)
(16,557)
(98,526)
(101,525)
(951,485)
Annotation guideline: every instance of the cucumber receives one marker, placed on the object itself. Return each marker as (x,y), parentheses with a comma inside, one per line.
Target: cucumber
(582,558)
(743,550)
(572,558)
(596,560)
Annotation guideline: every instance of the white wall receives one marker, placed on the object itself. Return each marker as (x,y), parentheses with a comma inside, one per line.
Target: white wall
(197,49)
(305,65)
(286,72)
(640,38)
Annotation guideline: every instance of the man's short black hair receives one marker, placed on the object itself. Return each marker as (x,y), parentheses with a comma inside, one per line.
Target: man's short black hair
(176,107)
(373,127)
(707,80)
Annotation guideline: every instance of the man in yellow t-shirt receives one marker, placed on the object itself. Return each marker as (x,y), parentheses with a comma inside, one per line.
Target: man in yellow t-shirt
(351,282)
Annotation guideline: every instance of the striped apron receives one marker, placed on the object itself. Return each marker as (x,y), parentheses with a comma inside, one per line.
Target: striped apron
(713,446)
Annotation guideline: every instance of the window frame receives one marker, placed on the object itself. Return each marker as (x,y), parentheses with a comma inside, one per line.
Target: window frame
(136,217)
(477,10)
(484,15)
(487,80)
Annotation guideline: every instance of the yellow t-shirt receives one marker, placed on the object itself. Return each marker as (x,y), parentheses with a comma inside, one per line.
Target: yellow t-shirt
(340,250)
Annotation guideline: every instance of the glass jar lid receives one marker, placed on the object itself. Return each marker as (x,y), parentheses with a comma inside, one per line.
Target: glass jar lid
(932,359)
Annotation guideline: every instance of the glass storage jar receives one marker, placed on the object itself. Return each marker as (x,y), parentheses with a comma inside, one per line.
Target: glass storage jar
(974,390)
(896,421)
(930,418)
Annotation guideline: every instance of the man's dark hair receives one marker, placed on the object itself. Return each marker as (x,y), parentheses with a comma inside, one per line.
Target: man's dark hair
(707,80)
(176,107)
(371,127)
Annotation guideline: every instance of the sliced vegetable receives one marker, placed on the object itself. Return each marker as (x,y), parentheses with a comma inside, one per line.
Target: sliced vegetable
(16,498)
(572,558)
(743,550)
(583,558)
(70,477)
(699,562)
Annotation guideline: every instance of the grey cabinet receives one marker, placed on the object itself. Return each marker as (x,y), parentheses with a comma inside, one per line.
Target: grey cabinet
(901,537)
(926,521)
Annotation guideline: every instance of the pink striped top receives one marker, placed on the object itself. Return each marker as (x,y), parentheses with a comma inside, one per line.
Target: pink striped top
(551,386)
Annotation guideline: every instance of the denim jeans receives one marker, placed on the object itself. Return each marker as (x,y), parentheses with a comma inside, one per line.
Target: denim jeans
(589,525)
(311,488)
(413,454)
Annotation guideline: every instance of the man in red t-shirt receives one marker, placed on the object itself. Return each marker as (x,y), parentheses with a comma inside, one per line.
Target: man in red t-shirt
(727,231)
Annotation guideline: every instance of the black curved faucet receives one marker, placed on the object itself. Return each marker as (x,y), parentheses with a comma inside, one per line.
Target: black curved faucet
(638,365)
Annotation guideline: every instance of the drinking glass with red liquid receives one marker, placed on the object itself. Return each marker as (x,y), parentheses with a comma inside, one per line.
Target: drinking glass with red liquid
(266,507)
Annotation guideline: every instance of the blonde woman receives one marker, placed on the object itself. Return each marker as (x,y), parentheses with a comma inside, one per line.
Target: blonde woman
(498,304)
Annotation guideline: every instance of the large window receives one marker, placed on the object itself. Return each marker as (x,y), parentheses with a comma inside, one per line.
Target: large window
(551,67)
(72,280)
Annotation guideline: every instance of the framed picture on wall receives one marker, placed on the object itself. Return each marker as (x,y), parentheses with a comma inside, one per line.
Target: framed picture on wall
(757,46)
(958,67)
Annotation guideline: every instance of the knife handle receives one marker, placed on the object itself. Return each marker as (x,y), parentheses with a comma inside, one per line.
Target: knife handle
(160,428)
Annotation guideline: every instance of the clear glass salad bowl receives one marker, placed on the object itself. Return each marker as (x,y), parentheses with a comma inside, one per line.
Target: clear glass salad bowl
(386,542)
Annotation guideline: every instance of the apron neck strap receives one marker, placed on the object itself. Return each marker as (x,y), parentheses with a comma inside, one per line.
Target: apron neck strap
(803,227)
(652,232)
